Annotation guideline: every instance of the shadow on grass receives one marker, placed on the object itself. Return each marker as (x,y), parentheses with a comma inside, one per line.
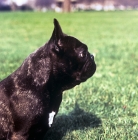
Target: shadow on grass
(78,119)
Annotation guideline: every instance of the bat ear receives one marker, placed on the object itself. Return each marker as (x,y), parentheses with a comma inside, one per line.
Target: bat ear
(56,37)
(57,32)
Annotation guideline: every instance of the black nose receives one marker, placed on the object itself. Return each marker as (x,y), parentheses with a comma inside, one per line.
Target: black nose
(92,57)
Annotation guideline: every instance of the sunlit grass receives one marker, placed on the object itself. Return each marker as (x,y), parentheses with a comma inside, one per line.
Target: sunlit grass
(106,106)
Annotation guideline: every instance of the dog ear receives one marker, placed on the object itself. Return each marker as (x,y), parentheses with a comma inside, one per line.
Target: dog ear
(57,30)
(56,36)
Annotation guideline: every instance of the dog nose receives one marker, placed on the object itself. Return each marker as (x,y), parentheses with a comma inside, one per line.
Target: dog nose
(92,57)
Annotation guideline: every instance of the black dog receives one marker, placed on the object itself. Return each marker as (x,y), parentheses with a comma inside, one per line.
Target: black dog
(30,97)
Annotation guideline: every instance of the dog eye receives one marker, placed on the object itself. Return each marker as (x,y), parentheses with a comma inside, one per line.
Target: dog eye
(83,54)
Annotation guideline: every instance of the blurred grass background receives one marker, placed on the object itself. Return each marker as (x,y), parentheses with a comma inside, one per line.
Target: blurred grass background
(106,106)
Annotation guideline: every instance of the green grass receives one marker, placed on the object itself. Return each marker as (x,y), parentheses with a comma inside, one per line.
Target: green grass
(106,106)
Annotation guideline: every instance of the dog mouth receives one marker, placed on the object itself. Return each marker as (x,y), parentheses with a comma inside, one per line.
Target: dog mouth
(82,75)
(87,71)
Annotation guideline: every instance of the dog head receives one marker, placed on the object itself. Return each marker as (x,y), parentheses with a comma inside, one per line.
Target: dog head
(72,63)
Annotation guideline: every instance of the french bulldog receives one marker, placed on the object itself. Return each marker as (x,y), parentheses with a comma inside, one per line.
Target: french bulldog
(30,97)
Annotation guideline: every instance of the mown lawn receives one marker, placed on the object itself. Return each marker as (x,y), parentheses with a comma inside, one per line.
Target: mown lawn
(106,106)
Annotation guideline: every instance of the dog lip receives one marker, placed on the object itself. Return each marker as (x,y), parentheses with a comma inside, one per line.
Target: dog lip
(88,69)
